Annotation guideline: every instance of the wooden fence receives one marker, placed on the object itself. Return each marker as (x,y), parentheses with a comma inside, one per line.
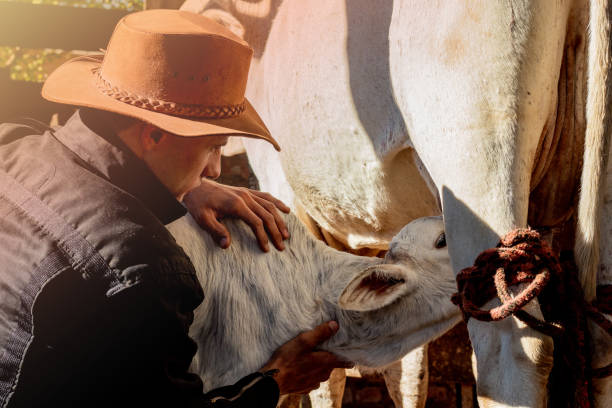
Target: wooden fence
(44,26)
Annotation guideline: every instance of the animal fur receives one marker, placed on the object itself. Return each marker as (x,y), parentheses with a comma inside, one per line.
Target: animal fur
(256,301)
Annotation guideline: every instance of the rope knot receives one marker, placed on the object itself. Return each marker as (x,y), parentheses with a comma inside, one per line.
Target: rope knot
(521,257)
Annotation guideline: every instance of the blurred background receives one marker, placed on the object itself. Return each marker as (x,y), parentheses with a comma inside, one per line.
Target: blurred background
(33,64)
(37,36)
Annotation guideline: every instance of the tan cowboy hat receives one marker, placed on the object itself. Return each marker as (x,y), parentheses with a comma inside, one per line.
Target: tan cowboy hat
(177,70)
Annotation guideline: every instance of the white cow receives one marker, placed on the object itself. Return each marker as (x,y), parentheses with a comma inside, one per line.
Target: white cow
(482,106)
(256,301)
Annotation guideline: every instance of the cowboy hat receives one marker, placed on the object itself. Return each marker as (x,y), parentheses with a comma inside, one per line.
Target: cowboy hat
(177,70)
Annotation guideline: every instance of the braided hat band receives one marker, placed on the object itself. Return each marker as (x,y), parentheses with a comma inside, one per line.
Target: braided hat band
(172,108)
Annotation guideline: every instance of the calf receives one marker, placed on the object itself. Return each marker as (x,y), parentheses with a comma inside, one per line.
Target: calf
(255,301)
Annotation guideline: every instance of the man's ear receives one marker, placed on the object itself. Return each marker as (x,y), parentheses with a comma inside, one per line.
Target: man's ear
(376,287)
(150,137)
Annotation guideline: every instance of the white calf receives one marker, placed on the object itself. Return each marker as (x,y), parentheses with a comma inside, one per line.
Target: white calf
(255,301)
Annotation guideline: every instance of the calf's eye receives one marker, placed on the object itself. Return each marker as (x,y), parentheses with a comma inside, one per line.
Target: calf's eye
(440,241)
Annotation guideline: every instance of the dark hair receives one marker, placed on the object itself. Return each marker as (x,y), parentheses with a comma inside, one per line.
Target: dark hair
(109,121)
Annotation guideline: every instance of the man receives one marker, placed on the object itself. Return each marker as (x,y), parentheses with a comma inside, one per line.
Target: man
(96,298)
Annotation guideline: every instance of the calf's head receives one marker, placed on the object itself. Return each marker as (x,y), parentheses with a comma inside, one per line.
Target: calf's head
(399,302)
(417,252)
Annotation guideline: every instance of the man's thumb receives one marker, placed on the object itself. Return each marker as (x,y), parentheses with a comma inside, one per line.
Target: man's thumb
(320,333)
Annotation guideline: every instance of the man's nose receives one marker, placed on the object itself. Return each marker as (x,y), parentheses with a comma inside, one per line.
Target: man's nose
(213,170)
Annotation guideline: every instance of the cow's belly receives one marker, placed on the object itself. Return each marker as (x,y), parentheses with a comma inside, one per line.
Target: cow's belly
(359,199)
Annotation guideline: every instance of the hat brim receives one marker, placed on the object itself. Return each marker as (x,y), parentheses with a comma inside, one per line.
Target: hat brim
(74,83)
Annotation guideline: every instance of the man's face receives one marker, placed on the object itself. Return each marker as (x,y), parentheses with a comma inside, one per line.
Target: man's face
(179,162)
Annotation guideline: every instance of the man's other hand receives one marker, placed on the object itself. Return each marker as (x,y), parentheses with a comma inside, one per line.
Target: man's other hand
(213,201)
(301,367)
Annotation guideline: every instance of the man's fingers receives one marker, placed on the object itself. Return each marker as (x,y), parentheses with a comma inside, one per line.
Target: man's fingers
(319,334)
(272,209)
(269,197)
(256,224)
(209,223)
(270,222)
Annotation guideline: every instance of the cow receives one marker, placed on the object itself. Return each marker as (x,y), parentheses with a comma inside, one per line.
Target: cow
(491,112)
(254,301)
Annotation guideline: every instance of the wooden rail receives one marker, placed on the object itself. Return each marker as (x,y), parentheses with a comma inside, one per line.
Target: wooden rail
(68,28)
(60,27)
(43,26)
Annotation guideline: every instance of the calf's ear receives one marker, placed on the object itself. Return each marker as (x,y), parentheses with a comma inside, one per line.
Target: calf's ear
(376,287)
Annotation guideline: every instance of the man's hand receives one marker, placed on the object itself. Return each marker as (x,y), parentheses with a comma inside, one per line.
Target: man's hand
(212,201)
(301,367)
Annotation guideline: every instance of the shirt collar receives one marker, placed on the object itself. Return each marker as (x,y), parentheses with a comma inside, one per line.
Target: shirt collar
(106,154)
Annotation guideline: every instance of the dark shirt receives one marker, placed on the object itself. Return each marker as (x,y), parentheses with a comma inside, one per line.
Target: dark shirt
(96,297)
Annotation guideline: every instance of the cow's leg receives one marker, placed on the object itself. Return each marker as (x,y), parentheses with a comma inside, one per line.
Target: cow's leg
(329,394)
(407,379)
(477,114)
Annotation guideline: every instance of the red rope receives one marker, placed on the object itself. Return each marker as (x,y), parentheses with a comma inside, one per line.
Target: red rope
(520,257)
